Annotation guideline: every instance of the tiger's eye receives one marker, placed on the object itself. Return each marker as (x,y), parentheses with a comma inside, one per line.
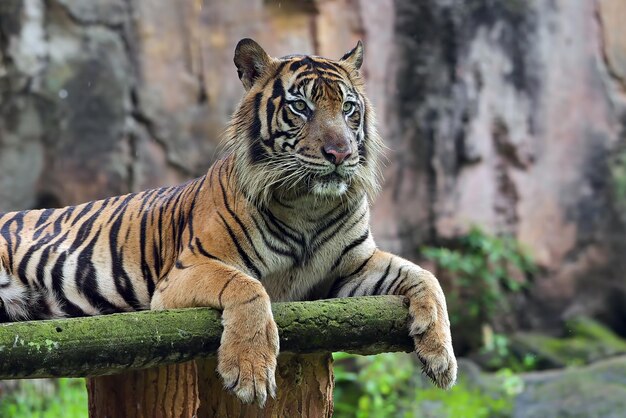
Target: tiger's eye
(300,105)
(347,107)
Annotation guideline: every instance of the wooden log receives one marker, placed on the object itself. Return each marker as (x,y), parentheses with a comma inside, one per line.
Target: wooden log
(108,344)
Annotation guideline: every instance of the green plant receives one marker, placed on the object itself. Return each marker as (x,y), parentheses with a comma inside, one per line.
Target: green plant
(65,398)
(462,401)
(369,386)
(497,353)
(482,270)
(392,386)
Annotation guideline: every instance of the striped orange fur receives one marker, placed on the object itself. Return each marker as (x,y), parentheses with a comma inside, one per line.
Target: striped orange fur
(283,216)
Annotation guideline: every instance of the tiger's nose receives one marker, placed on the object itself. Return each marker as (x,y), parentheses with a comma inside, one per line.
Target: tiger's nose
(336,154)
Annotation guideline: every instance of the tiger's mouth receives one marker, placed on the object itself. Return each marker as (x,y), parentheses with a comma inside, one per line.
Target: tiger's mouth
(332,184)
(332,177)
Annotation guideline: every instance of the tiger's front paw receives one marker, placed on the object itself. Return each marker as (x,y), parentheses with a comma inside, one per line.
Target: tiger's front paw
(430,329)
(247,357)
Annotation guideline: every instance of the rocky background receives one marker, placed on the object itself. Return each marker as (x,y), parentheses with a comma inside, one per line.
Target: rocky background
(509,114)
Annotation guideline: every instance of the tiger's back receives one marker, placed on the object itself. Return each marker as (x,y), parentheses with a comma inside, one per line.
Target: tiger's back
(99,257)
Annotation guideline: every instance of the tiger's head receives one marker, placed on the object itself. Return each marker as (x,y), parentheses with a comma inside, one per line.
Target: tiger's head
(304,129)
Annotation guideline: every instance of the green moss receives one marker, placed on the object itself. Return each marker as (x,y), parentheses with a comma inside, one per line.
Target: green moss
(593,330)
(587,341)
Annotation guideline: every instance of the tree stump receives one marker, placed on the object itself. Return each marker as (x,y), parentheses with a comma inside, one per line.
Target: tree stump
(305,389)
(194,389)
(161,392)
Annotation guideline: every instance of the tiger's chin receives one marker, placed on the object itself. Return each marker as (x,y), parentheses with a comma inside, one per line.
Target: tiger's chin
(330,188)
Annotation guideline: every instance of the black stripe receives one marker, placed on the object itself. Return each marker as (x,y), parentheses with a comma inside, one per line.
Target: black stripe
(360,240)
(43,217)
(5,231)
(393,282)
(304,61)
(406,291)
(338,228)
(123,283)
(205,252)
(41,266)
(57,288)
(257,152)
(362,148)
(194,199)
(328,74)
(180,266)
(21,268)
(246,259)
(361,267)
(283,228)
(87,280)
(270,245)
(332,221)
(341,281)
(47,245)
(240,223)
(83,212)
(146,269)
(289,120)
(382,279)
(219,297)
(252,299)
(160,229)
(121,206)
(276,74)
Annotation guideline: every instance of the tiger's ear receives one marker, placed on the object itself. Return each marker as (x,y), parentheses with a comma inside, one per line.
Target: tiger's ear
(251,61)
(355,56)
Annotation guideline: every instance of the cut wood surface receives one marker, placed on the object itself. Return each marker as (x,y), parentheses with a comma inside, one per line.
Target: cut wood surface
(109,344)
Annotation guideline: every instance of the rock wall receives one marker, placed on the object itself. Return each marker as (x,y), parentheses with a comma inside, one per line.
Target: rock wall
(512,113)
(505,113)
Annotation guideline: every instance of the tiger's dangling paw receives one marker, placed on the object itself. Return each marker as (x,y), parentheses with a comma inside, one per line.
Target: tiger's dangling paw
(246,359)
(430,330)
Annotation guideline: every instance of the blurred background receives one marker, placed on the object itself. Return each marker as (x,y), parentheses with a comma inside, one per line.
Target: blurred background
(506,127)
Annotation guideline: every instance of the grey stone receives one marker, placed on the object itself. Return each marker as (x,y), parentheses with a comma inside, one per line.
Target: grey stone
(597,391)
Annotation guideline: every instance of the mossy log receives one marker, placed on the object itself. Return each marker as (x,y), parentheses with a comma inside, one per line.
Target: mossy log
(109,344)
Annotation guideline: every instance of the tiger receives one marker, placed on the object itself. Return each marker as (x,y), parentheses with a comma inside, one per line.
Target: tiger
(284,215)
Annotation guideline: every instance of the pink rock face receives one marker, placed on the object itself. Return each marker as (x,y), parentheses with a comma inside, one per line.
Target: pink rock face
(520,106)
(504,115)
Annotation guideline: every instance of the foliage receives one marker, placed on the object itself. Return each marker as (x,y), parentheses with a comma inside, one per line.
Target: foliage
(483,270)
(392,385)
(67,399)
(587,341)
(498,354)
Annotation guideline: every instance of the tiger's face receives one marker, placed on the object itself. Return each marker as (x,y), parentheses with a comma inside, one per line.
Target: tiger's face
(307,124)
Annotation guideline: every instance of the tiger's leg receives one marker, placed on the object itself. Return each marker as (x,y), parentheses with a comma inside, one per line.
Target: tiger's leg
(384,274)
(249,344)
